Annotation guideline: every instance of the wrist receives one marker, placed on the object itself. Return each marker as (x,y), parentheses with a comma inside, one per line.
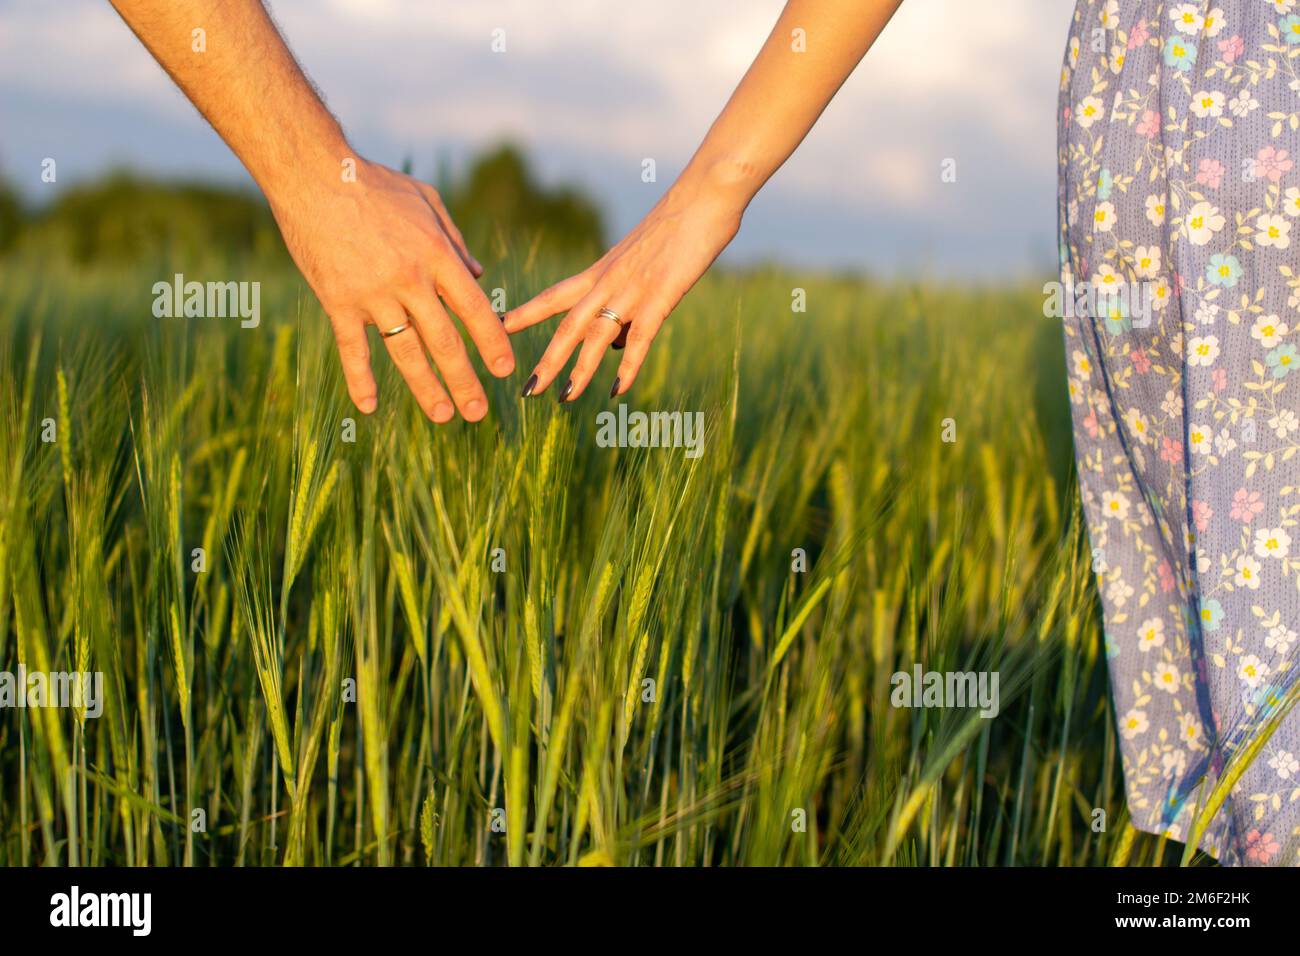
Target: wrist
(726,183)
(307,165)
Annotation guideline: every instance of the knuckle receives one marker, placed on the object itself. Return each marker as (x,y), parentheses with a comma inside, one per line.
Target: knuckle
(406,349)
(443,339)
(354,353)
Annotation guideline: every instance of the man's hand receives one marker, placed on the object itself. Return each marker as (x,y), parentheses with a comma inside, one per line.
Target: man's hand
(378,250)
(376,246)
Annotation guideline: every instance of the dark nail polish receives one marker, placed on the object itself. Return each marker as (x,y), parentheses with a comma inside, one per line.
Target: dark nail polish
(530,385)
(568,390)
(614,388)
(501,317)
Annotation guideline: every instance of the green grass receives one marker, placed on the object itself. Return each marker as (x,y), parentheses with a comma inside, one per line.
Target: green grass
(519,697)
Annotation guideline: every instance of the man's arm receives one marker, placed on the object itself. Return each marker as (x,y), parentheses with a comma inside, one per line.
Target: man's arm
(375,245)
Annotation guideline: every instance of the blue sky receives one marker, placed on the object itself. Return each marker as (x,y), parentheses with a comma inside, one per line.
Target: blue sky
(592,88)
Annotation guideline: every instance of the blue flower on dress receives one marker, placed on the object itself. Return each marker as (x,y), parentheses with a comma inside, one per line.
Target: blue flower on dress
(1282,359)
(1180,53)
(1223,270)
(1105,182)
(1290,27)
(1211,614)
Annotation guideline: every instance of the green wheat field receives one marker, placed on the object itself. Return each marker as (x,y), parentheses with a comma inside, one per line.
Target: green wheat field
(647,683)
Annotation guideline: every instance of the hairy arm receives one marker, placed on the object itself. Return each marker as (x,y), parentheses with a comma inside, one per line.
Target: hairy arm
(376,246)
(811,51)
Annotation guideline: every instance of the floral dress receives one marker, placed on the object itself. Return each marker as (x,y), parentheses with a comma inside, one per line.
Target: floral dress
(1179,129)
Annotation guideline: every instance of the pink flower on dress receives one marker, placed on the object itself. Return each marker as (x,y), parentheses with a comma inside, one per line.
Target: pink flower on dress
(1231,48)
(1271,163)
(1201,514)
(1210,173)
(1139,35)
(1090,424)
(1149,125)
(1246,505)
(1166,575)
(1219,378)
(1141,361)
(1171,451)
(1261,847)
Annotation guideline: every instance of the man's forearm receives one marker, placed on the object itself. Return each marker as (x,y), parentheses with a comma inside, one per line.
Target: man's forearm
(241,76)
(811,51)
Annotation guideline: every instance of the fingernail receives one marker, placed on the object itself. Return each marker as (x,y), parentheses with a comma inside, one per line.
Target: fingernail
(530,385)
(475,409)
(614,388)
(477,264)
(442,413)
(501,317)
(568,390)
(368,405)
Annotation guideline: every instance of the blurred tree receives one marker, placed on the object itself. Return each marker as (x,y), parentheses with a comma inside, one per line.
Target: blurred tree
(500,196)
(125,218)
(11,215)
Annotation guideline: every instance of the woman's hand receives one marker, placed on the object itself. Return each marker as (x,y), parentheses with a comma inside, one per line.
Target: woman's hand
(382,250)
(641,280)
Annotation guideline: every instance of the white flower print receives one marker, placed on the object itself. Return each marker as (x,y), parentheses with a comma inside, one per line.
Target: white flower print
(1134,723)
(1104,216)
(1272,543)
(1151,634)
(1203,220)
(1280,639)
(1208,104)
(1166,677)
(1284,422)
(1291,203)
(1156,210)
(1202,350)
(1187,18)
(1089,111)
(1285,763)
(1252,670)
(1146,261)
(1247,572)
(1268,330)
(1242,104)
(1274,231)
(1115,504)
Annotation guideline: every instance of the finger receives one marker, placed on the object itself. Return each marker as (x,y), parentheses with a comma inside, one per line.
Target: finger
(407,352)
(639,336)
(354,353)
(459,290)
(449,227)
(571,330)
(448,350)
(560,297)
(602,333)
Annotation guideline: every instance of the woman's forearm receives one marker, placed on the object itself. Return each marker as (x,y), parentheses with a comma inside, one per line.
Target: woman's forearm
(811,51)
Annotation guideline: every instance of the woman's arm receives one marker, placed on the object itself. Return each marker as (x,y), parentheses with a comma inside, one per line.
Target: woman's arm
(374,245)
(810,53)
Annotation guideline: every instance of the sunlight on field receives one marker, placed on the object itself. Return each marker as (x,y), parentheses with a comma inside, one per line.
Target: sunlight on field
(506,643)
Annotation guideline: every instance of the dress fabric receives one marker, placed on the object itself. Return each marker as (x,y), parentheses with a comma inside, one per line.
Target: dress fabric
(1180,265)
